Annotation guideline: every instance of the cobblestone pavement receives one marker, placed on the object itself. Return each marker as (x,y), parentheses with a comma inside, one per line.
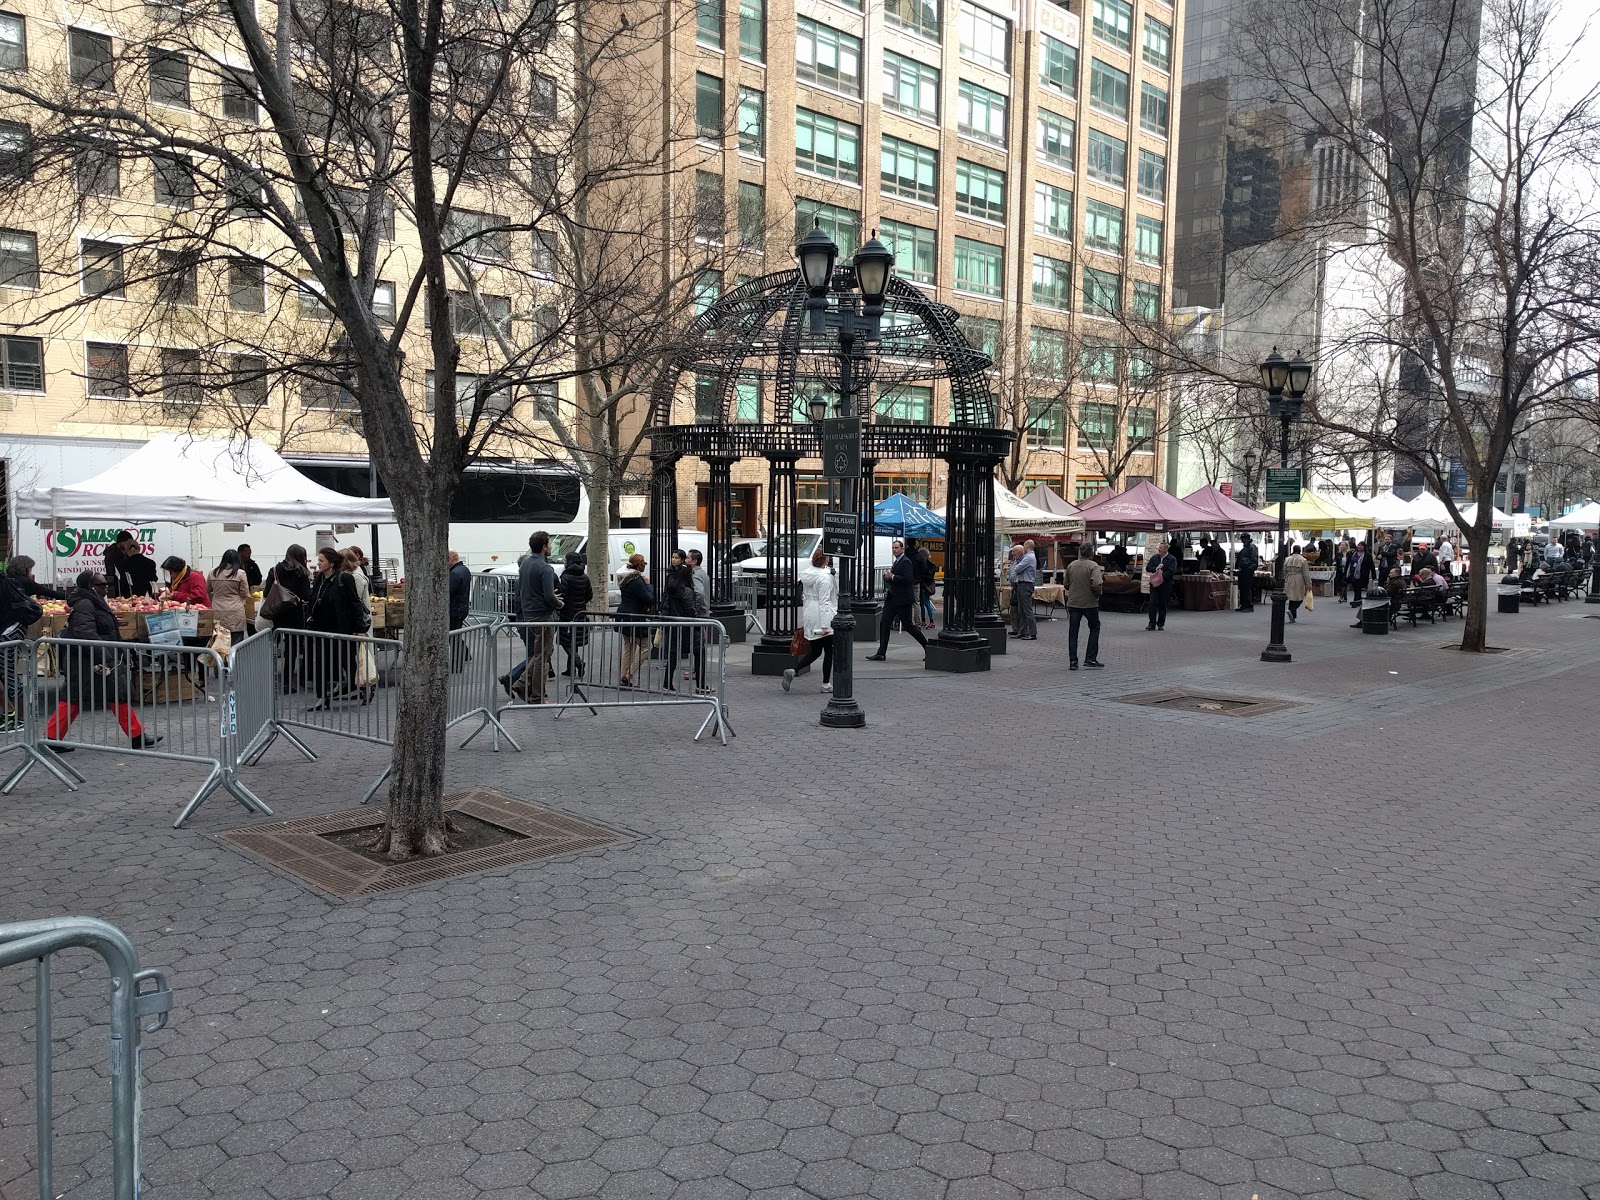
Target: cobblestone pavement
(1016,939)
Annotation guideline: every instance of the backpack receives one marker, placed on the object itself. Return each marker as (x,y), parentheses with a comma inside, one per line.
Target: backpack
(17,609)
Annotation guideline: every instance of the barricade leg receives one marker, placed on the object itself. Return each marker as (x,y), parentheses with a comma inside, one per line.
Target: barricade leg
(376,784)
(43,1082)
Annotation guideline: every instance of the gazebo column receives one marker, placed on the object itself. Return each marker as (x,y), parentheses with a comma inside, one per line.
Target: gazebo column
(961,647)
(771,656)
(866,602)
(663,518)
(987,618)
(719,546)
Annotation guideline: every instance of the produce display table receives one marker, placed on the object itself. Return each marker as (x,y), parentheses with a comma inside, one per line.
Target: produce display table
(1046,596)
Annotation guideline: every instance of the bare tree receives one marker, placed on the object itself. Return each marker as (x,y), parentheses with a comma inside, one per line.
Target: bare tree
(351,202)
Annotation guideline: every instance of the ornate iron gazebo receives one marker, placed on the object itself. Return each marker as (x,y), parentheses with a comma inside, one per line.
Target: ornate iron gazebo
(758,332)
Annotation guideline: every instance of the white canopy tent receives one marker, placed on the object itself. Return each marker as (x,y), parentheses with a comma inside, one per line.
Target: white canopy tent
(1013,514)
(1389,511)
(1584,517)
(1497,519)
(1428,511)
(194,481)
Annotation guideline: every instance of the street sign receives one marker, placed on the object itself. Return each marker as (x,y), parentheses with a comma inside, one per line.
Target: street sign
(839,534)
(1283,484)
(1227,490)
(841,448)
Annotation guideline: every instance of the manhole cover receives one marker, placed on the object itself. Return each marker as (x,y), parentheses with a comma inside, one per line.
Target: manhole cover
(1207,702)
(493,831)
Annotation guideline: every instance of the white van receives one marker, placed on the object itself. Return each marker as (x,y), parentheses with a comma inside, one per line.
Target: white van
(620,545)
(804,543)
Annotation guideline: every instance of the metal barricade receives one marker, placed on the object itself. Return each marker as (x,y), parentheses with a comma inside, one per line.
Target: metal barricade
(747,595)
(493,597)
(135,994)
(18,732)
(169,702)
(469,691)
(253,679)
(612,661)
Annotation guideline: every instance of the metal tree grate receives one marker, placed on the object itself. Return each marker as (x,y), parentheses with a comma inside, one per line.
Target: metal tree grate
(1207,703)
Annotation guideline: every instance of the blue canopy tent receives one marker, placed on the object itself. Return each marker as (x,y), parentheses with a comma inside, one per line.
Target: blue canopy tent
(898,515)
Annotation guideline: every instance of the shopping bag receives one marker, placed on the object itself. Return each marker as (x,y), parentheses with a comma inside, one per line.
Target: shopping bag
(222,643)
(1311,598)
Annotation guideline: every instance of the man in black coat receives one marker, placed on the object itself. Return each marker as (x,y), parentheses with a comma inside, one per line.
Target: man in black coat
(1160,586)
(129,571)
(902,577)
(460,606)
(1244,566)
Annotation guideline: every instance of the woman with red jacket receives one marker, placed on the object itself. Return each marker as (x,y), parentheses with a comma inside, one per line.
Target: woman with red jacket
(183,585)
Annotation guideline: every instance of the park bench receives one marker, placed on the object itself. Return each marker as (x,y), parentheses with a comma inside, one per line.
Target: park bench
(1416,603)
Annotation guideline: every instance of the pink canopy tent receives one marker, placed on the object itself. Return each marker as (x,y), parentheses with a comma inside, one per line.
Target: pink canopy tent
(1230,515)
(1143,507)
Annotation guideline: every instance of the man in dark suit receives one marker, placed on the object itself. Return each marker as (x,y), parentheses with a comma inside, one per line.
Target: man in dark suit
(902,578)
(1245,563)
(1161,591)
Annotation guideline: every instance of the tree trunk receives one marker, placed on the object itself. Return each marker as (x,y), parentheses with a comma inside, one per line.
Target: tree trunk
(600,496)
(416,824)
(1475,636)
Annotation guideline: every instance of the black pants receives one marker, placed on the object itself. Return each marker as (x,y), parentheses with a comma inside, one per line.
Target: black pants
(1092,616)
(1158,607)
(821,648)
(893,611)
(1022,595)
(458,646)
(1247,591)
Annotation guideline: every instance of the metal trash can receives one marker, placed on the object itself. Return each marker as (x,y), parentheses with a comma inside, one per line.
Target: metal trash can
(1375,611)
(1509,595)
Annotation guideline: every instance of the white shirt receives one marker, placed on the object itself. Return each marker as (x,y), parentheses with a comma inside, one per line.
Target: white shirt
(1553,551)
(1447,552)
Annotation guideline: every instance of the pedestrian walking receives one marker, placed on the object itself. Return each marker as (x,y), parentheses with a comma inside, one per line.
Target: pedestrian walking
(1244,567)
(902,580)
(460,581)
(819,591)
(540,602)
(366,661)
(702,609)
(1162,569)
(638,600)
(1023,575)
(334,608)
(679,588)
(1296,580)
(576,593)
(927,584)
(1358,573)
(1085,582)
(96,677)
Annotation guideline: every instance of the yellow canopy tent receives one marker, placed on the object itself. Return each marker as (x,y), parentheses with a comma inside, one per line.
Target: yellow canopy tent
(1318,512)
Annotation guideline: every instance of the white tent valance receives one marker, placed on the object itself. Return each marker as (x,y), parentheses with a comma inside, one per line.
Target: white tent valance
(193,481)
(1497,519)
(1585,517)
(1427,511)
(1013,514)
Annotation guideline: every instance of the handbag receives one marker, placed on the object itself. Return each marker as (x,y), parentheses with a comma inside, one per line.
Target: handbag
(276,600)
(1157,577)
(798,644)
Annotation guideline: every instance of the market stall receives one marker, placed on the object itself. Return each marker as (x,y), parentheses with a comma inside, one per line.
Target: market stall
(1145,508)
(1586,517)
(898,515)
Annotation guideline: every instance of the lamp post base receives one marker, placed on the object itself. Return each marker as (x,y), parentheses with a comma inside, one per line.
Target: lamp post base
(842,711)
(1276,651)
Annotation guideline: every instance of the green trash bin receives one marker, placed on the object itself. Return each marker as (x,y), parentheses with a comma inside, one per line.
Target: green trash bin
(1375,611)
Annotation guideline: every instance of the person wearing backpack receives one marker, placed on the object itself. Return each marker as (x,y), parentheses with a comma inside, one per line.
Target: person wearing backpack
(1162,569)
(18,612)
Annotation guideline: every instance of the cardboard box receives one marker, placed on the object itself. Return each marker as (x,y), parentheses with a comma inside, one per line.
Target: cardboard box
(171,687)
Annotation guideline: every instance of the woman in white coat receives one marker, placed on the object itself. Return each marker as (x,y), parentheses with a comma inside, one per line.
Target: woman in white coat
(819,589)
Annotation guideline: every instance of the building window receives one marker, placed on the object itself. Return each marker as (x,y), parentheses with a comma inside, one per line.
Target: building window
(106,370)
(753,30)
(747,400)
(707,291)
(1113,23)
(1141,364)
(1146,300)
(910,87)
(980,191)
(479,316)
(827,147)
(1147,240)
(331,396)
(810,501)
(918,16)
(1052,282)
(1097,425)
(708,23)
(752,121)
(169,78)
(1047,424)
(239,96)
(89,63)
(982,333)
(1102,293)
(1056,139)
(1086,487)
(909,170)
(19,259)
(711,221)
(1152,175)
(16,151)
(981,113)
(1153,109)
(383,302)
(1058,66)
(1102,226)
(827,57)
(1047,351)
(983,37)
(173,176)
(177,278)
(906,402)
(1052,211)
(245,197)
(1108,90)
(1108,158)
(980,267)
(707,400)
(707,107)
(542,96)
(843,225)
(477,236)
(102,269)
(1099,362)
(180,378)
(1142,430)
(13,42)
(752,215)
(97,171)
(915,249)
(247,285)
(1157,44)
(914,487)
(21,364)
(248,382)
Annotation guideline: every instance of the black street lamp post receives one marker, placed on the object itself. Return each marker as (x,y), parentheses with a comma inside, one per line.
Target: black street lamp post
(1250,478)
(1286,384)
(874,266)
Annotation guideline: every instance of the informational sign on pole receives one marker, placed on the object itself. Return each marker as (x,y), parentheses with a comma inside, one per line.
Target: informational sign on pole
(839,534)
(1226,489)
(1283,485)
(841,448)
